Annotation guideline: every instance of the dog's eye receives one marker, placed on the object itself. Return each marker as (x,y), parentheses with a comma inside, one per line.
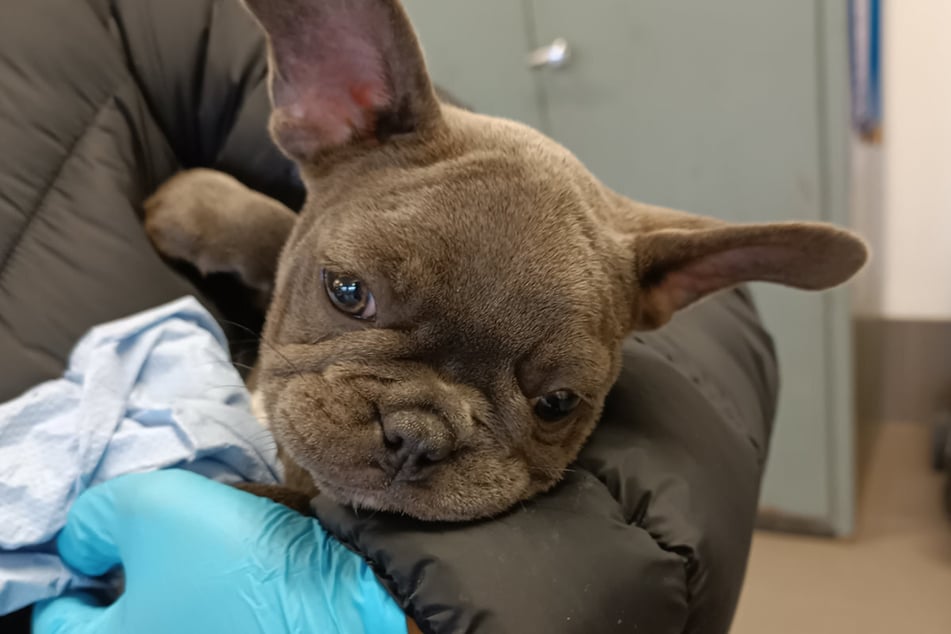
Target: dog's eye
(555,406)
(349,294)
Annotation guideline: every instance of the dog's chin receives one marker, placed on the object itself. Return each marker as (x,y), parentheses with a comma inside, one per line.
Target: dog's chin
(422,500)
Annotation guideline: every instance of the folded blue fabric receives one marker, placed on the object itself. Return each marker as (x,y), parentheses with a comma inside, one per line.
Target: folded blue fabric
(152,391)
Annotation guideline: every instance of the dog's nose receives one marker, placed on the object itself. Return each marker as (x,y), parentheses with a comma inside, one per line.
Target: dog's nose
(414,440)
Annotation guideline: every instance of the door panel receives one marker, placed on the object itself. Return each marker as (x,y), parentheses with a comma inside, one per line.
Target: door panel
(716,108)
(719,108)
(676,103)
(476,50)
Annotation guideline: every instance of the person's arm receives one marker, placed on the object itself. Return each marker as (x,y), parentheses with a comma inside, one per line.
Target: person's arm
(199,556)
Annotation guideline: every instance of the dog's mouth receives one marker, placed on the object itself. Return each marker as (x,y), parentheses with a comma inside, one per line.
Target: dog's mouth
(422,500)
(470,486)
(419,500)
(390,497)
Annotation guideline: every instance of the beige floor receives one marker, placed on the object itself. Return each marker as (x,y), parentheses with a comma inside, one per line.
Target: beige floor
(894,577)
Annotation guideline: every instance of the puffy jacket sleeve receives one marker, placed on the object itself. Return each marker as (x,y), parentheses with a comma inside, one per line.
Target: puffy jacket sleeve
(651,529)
(202,69)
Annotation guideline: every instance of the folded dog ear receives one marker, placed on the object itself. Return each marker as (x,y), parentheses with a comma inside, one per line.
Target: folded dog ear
(343,71)
(684,258)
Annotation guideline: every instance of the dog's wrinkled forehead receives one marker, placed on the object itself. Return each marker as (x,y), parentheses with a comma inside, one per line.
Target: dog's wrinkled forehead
(473,231)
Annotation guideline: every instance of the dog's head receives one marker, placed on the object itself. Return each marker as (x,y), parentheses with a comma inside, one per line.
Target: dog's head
(449,308)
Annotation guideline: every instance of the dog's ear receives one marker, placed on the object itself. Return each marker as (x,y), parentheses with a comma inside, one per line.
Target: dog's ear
(680,258)
(343,72)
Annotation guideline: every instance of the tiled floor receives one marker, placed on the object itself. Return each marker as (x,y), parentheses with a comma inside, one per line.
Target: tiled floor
(894,577)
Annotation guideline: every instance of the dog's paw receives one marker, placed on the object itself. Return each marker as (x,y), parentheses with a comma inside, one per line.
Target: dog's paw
(213,222)
(183,217)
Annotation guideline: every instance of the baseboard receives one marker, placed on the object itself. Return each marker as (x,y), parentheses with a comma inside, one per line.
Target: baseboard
(902,369)
(902,374)
(778,521)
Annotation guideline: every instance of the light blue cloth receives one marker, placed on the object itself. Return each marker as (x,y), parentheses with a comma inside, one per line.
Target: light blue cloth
(151,391)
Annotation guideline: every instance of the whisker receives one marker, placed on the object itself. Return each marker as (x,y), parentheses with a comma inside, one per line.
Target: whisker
(216,363)
(248,330)
(225,386)
(284,357)
(267,343)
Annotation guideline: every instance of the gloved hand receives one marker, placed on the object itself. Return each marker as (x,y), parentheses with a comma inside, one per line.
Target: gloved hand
(202,557)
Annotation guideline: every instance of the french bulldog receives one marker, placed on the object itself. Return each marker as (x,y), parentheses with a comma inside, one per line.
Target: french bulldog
(445,314)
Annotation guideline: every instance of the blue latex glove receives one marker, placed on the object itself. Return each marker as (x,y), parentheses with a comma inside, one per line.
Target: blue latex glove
(202,557)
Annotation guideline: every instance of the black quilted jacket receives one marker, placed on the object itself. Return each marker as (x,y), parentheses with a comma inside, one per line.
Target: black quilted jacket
(102,100)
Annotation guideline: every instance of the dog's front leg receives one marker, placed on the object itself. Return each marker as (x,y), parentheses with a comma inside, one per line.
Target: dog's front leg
(213,222)
(290,498)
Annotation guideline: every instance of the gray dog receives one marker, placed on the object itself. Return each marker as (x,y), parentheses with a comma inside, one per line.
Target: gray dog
(445,315)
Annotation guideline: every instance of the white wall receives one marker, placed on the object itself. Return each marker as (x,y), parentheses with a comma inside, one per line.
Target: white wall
(868,213)
(911,277)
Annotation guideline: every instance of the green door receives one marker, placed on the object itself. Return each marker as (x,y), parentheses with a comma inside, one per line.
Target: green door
(733,108)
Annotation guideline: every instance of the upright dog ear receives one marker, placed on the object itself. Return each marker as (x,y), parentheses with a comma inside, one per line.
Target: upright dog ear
(680,258)
(342,72)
